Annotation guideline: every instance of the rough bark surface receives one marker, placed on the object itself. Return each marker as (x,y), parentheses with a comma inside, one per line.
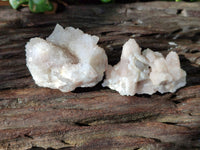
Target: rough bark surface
(99,118)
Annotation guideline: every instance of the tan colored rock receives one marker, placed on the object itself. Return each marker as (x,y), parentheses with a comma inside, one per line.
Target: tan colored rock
(145,73)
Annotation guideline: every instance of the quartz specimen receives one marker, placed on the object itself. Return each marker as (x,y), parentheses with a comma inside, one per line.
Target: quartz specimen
(144,73)
(67,59)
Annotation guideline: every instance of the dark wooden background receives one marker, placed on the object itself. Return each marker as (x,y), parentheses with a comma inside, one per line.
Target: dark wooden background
(98,118)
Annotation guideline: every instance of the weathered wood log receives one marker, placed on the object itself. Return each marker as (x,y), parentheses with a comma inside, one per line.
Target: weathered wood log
(99,118)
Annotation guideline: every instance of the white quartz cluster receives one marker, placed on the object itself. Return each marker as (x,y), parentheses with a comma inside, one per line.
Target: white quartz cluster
(67,59)
(144,73)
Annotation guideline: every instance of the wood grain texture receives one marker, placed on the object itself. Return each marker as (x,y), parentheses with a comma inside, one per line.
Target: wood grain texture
(98,118)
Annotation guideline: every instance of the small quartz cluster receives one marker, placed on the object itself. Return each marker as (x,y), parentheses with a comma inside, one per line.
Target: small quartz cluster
(67,59)
(145,73)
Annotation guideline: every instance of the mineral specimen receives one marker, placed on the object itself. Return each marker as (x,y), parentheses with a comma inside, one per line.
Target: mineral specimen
(144,73)
(67,59)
